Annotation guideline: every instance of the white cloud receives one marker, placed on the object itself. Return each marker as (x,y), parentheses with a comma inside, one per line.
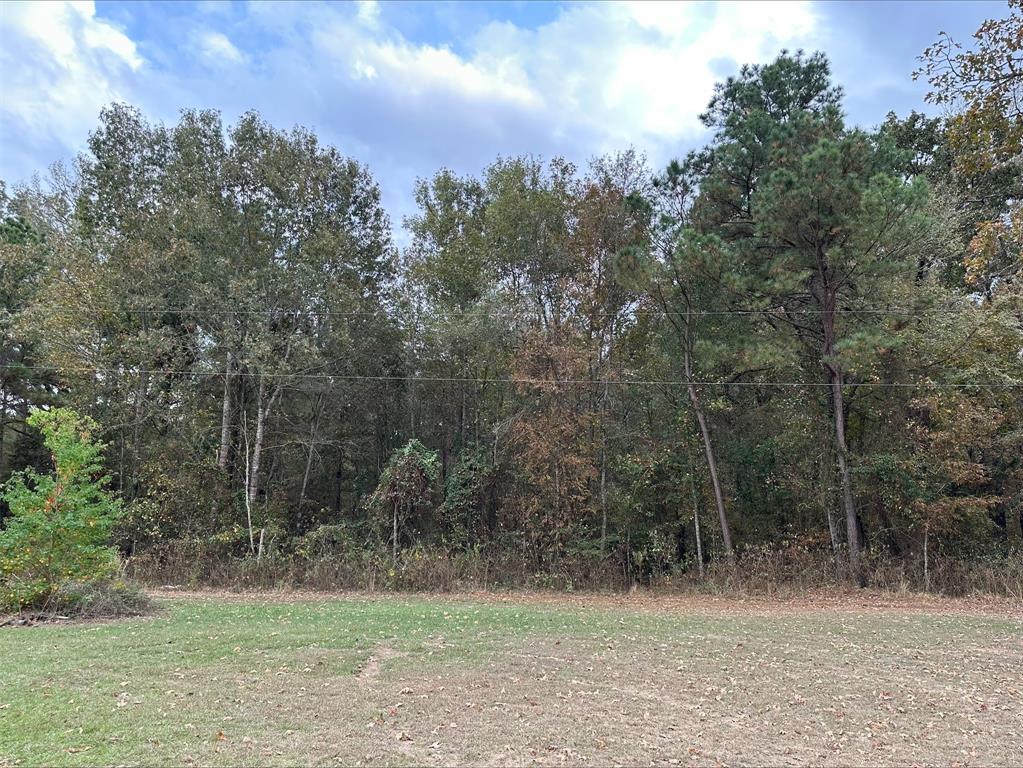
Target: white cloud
(596,77)
(61,64)
(216,48)
(416,71)
(668,18)
(622,73)
(642,70)
(610,74)
(368,12)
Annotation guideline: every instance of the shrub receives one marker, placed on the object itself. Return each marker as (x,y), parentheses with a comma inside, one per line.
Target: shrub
(329,541)
(465,493)
(106,599)
(406,489)
(184,497)
(59,527)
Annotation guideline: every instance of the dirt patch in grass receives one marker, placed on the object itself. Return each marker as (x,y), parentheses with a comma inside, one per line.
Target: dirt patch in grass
(370,669)
(833,600)
(569,703)
(820,688)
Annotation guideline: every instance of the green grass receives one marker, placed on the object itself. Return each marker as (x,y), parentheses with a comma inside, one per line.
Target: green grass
(107,690)
(229,681)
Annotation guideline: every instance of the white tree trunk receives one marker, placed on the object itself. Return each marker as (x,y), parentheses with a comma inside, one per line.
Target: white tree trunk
(264,407)
(394,534)
(696,526)
(225,417)
(712,468)
(927,568)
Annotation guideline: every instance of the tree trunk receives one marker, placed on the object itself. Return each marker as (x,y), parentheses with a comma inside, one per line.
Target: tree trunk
(3,430)
(263,408)
(828,506)
(136,439)
(852,529)
(927,564)
(1014,520)
(120,464)
(603,498)
(832,529)
(248,502)
(411,382)
(394,534)
(696,525)
(461,410)
(252,485)
(603,468)
(834,372)
(712,468)
(305,477)
(686,334)
(225,417)
(604,368)
(312,444)
(556,527)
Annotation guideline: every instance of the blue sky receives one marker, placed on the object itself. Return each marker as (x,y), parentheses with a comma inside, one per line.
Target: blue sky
(409,87)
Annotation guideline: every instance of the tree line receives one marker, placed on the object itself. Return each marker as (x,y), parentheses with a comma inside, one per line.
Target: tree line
(803,334)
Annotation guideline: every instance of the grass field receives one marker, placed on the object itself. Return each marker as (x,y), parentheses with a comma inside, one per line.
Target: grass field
(229,680)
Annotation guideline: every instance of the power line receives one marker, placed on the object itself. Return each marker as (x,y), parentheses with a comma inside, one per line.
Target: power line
(511,380)
(772,311)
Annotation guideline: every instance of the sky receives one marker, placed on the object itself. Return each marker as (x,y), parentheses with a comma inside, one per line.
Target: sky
(410,87)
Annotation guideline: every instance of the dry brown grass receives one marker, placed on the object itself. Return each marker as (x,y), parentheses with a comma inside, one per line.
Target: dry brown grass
(761,703)
(653,601)
(785,572)
(838,680)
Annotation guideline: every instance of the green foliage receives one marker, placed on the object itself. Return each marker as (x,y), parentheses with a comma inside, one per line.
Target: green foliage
(409,476)
(60,523)
(23,260)
(330,541)
(465,496)
(983,139)
(579,362)
(406,490)
(183,498)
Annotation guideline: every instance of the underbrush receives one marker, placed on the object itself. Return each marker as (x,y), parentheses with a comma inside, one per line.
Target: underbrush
(192,563)
(794,571)
(783,571)
(105,599)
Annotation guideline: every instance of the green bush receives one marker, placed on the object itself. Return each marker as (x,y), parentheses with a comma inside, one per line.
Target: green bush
(59,527)
(326,541)
(465,495)
(405,492)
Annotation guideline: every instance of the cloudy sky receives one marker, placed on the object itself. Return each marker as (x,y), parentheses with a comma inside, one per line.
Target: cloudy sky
(410,87)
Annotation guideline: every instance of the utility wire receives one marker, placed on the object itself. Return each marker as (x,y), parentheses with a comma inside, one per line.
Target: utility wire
(777,311)
(513,380)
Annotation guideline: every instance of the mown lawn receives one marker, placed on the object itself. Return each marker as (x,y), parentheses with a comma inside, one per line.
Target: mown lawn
(226,680)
